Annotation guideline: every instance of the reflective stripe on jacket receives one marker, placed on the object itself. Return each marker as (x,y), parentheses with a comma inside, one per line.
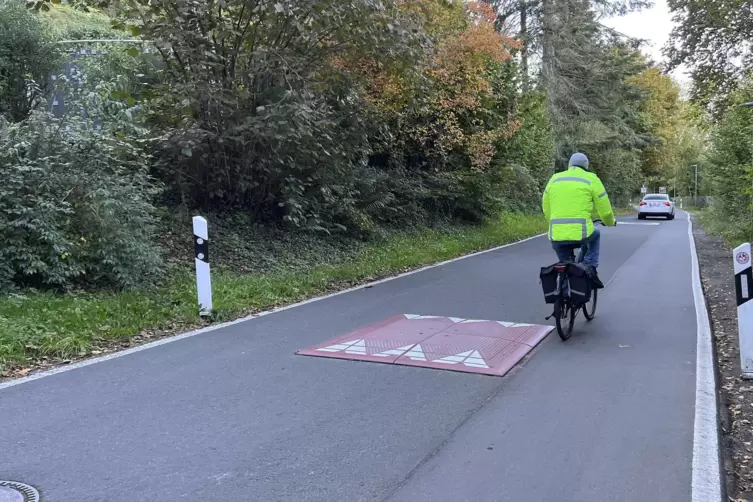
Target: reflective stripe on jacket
(570,200)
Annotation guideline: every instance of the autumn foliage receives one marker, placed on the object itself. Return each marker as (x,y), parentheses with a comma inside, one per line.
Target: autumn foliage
(453,94)
(332,115)
(463,73)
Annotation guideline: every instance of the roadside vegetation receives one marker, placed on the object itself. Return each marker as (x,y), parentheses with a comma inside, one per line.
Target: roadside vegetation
(327,142)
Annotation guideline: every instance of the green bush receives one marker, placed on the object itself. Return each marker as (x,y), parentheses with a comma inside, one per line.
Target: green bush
(27,58)
(75,205)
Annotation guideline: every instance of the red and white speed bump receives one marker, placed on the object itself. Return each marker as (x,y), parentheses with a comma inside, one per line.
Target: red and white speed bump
(448,343)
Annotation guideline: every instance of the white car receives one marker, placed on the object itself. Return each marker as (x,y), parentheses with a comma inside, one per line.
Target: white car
(656,204)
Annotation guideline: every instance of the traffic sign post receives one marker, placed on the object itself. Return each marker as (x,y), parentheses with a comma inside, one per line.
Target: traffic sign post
(644,189)
(744,290)
(662,189)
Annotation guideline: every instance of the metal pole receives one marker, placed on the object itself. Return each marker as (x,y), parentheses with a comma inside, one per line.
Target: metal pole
(696,183)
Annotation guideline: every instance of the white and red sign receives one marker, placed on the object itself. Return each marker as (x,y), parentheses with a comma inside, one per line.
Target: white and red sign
(743,290)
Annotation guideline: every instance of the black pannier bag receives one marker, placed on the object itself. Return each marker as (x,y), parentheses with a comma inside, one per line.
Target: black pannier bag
(580,283)
(548,276)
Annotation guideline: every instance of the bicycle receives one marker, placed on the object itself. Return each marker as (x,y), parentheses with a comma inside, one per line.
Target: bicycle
(565,307)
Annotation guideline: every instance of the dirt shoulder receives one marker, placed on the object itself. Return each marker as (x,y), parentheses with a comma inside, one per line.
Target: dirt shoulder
(736,394)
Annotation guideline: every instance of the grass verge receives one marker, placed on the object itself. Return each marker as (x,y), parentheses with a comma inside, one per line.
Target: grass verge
(38,330)
(622,211)
(732,232)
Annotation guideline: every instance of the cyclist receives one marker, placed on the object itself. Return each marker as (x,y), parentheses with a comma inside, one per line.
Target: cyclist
(571,199)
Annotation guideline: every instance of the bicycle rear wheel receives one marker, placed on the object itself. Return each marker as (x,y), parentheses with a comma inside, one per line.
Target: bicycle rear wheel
(589,309)
(564,324)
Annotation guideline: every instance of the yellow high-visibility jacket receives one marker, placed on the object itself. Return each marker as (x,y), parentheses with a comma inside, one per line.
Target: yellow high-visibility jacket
(570,200)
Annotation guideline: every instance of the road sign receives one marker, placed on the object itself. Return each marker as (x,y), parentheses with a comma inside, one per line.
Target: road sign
(744,292)
(644,189)
(662,189)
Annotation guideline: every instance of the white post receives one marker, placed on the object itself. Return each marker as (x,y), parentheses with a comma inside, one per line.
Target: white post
(744,290)
(201,251)
(696,184)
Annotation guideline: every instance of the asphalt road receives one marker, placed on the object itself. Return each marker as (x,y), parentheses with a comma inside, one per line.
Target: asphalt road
(233,414)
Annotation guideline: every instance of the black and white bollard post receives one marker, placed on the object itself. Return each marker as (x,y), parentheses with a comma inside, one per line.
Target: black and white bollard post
(744,290)
(201,251)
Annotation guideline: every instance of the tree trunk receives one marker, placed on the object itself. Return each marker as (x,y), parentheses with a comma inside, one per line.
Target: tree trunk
(524,41)
(548,77)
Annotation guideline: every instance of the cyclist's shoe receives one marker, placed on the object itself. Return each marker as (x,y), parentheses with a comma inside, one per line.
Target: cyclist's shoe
(597,284)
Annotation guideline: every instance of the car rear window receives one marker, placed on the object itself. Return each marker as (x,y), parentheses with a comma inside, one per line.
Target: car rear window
(657,197)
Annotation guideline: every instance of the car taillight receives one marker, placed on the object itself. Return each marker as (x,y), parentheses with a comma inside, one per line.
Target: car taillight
(643,203)
(667,204)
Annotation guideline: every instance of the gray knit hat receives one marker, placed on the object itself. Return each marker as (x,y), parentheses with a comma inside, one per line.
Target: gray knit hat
(579,160)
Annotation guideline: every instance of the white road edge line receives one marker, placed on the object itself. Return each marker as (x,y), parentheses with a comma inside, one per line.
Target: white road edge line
(706,483)
(170,339)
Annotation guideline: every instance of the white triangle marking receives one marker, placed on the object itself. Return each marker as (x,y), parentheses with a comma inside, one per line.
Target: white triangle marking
(360,347)
(357,348)
(416,354)
(394,352)
(470,358)
(469,321)
(454,359)
(414,316)
(505,324)
(475,360)
(522,325)
(456,319)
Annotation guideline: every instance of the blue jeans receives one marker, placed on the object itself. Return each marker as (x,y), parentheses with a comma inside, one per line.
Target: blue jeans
(564,249)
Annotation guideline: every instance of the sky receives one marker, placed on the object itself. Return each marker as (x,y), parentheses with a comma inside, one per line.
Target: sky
(654,25)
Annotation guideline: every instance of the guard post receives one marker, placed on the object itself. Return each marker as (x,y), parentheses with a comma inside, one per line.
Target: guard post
(743,290)
(201,252)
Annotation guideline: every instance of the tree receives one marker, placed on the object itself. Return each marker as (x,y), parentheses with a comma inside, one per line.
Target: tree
(715,39)
(533,21)
(692,143)
(591,103)
(446,124)
(659,115)
(729,167)
(583,68)
(254,115)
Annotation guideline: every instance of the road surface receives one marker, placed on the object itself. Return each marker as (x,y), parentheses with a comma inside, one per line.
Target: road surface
(233,414)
